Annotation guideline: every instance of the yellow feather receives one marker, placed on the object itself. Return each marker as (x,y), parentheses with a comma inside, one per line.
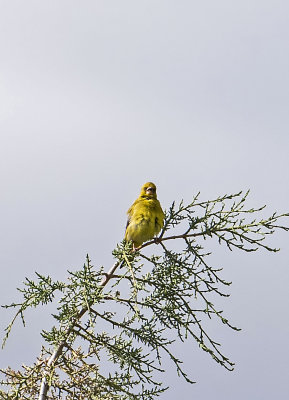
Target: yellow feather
(145,216)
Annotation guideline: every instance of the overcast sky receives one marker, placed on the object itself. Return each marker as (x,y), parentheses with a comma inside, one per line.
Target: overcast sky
(98,97)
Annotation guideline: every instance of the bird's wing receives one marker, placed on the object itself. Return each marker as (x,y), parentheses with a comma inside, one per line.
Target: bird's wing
(129,214)
(127,222)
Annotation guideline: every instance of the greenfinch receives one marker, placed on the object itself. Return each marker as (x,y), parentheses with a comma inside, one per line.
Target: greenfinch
(145,216)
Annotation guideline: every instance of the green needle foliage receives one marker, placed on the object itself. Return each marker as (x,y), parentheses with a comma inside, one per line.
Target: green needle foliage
(112,330)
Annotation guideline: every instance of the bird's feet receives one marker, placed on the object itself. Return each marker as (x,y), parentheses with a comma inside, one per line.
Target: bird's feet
(157,240)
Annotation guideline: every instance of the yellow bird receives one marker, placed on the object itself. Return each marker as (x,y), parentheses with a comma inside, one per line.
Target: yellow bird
(145,216)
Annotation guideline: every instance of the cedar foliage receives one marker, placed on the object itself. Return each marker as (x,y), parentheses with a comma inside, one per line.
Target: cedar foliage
(112,329)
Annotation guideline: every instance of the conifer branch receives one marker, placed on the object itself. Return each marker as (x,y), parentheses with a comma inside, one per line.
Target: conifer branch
(125,325)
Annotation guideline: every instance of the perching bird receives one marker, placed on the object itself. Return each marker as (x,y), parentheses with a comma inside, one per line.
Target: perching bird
(145,216)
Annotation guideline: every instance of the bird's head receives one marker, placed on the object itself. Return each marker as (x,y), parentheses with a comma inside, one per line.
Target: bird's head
(149,190)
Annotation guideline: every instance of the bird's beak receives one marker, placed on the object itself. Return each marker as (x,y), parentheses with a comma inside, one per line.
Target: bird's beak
(150,190)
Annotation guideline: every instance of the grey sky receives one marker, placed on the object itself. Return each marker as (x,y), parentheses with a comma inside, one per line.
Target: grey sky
(97,97)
